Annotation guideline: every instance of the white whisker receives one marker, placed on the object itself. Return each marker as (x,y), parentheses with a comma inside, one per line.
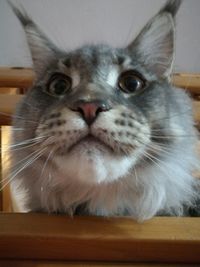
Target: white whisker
(173,136)
(27,141)
(21,148)
(156,148)
(15,173)
(45,164)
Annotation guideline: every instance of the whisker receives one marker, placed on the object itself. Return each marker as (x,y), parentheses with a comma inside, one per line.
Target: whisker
(161,130)
(150,156)
(25,142)
(30,105)
(21,161)
(157,162)
(17,129)
(20,148)
(15,173)
(173,136)
(157,148)
(19,117)
(48,158)
(162,168)
(31,156)
(14,129)
(174,115)
(136,176)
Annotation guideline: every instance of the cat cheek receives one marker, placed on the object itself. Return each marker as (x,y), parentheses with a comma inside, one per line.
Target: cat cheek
(122,130)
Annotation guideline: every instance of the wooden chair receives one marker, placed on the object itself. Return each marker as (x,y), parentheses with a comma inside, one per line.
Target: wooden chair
(44,240)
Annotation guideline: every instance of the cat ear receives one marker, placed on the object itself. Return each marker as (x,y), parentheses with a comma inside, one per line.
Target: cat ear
(154,46)
(42,49)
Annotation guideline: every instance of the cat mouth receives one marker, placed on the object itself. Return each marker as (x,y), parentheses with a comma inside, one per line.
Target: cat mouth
(91,141)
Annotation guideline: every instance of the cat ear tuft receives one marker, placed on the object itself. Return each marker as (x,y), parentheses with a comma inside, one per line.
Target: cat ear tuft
(154,46)
(171,7)
(42,49)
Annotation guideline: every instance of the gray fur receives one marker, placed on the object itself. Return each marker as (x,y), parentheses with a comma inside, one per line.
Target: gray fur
(172,6)
(135,159)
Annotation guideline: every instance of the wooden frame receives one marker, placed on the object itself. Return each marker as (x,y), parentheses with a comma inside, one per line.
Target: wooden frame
(16,77)
(55,237)
(49,239)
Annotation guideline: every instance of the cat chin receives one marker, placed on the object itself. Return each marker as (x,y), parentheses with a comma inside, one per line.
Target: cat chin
(94,164)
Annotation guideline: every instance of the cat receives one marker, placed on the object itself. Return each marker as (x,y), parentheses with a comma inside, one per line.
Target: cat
(104,132)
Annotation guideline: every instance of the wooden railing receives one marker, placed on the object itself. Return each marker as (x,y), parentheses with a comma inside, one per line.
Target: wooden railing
(54,240)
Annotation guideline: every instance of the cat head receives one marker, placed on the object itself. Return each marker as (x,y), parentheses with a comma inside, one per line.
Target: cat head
(95,108)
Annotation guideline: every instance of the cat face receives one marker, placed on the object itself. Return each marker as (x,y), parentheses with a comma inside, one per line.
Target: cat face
(93,110)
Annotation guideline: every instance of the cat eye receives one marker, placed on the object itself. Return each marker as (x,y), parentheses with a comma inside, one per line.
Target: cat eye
(59,84)
(131,82)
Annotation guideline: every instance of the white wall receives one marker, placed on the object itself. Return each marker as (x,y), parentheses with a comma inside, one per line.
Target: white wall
(71,23)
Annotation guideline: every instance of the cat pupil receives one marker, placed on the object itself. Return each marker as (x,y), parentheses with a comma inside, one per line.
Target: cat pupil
(132,83)
(60,86)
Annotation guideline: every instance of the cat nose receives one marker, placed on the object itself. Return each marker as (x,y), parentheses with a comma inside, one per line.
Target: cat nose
(90,110)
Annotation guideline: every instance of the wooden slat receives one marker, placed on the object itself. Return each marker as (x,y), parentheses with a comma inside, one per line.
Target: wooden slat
(8,103)
(16,77)
(9,91)
(1,175)
(53,237)
(25,263)
(5,164)
(190,82)
(196,108)
(7,107)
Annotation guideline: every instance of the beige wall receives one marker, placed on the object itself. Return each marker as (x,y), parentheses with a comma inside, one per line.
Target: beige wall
(71,23)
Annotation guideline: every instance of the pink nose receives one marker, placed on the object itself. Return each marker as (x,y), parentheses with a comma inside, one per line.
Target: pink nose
(90,110)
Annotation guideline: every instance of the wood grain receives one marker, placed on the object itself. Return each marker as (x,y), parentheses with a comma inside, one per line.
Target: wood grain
(196,110)
(7,107)
(1,174)
(42,263)
(188,81)
(9,91)
(16,77)
(53,237)
(5,165)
